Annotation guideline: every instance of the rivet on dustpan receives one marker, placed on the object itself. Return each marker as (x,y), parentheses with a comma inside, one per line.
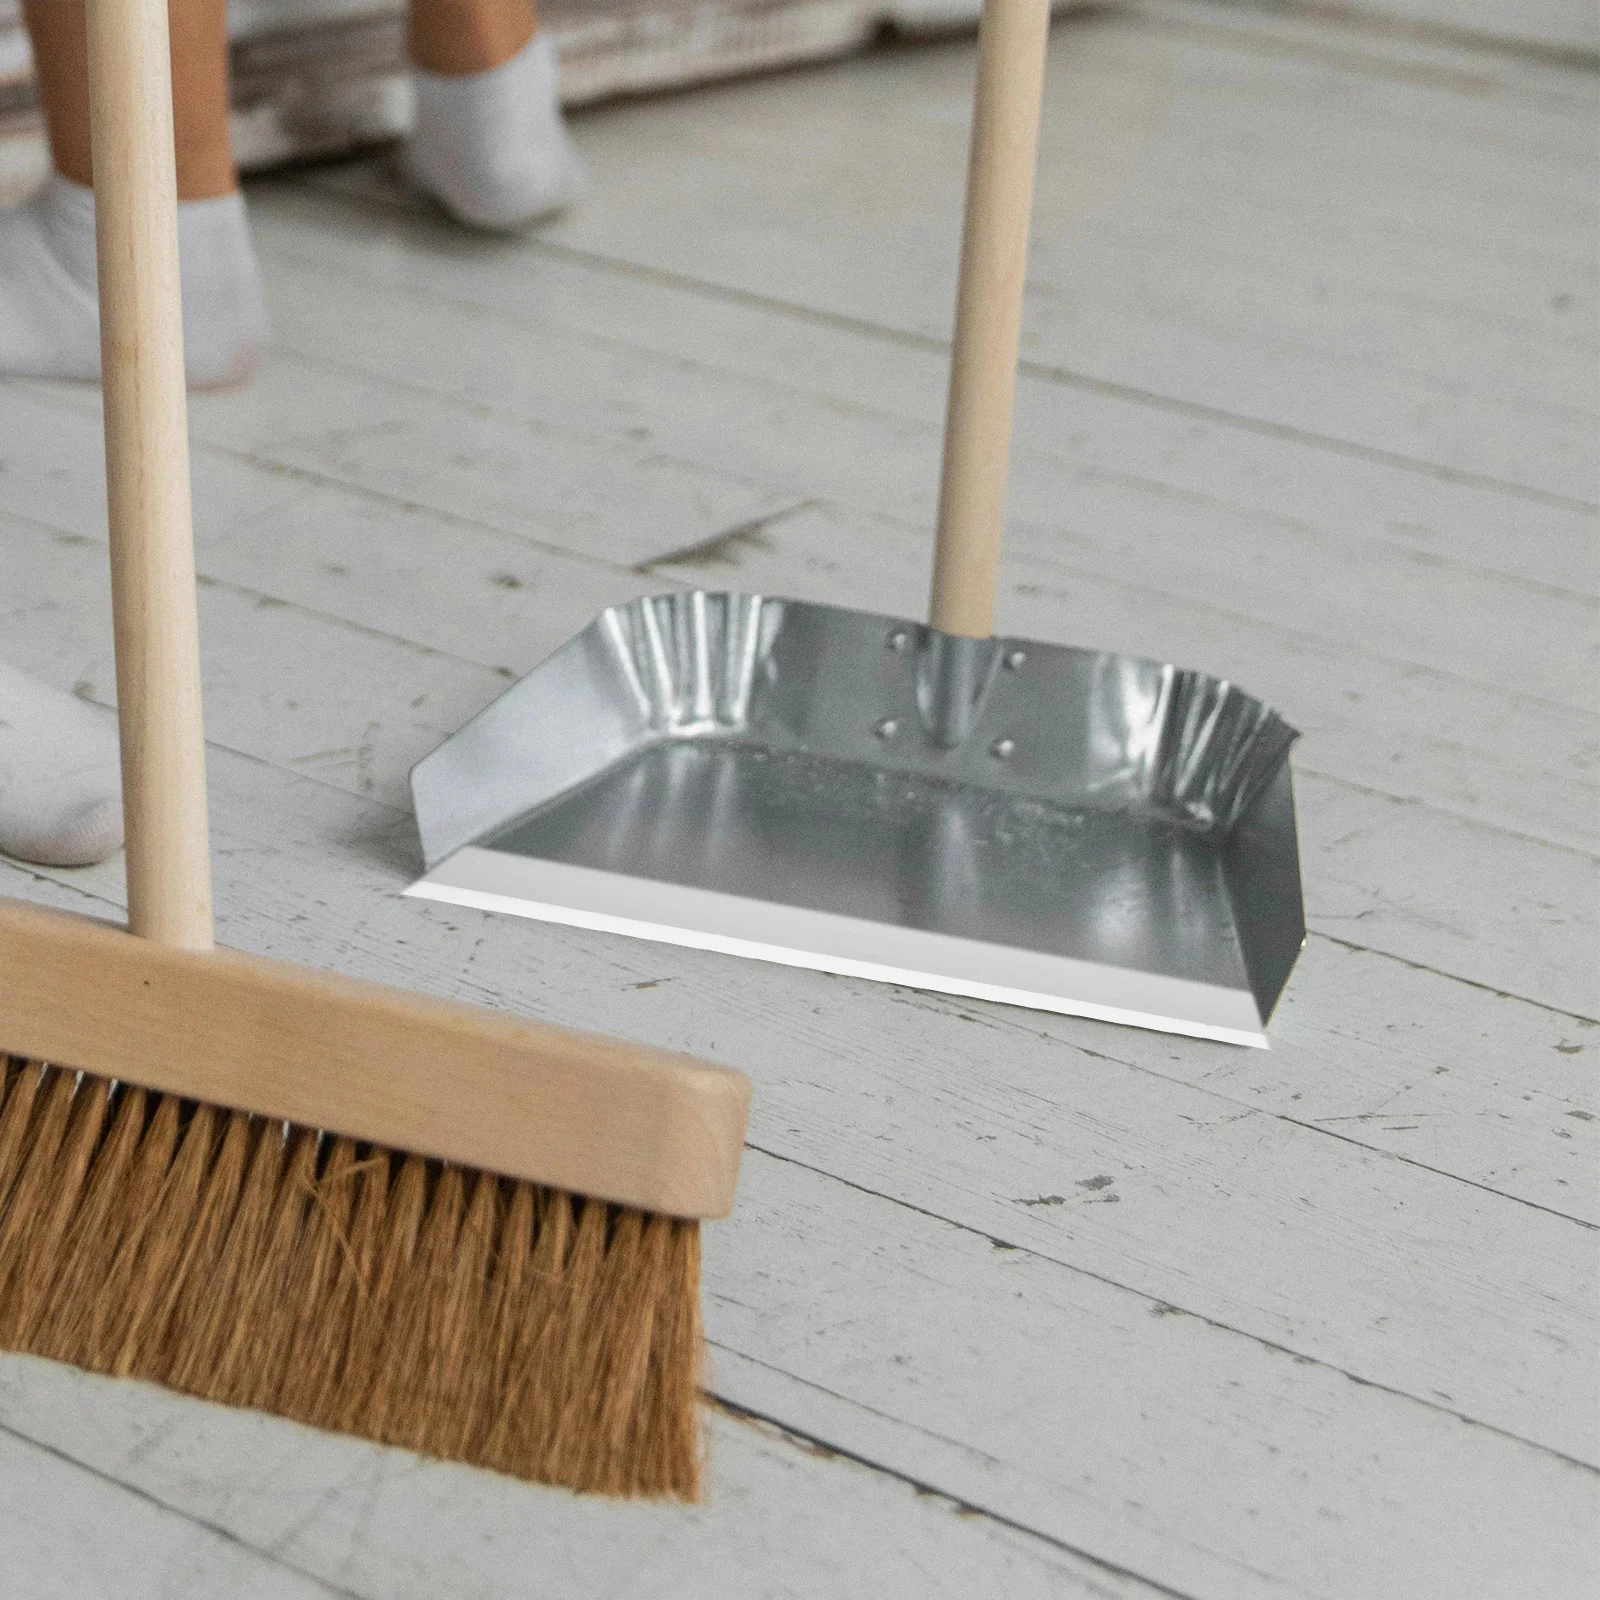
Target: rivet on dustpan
(887,728)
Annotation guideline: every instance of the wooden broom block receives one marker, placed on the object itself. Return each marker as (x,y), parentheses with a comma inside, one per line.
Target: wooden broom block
(525,1099)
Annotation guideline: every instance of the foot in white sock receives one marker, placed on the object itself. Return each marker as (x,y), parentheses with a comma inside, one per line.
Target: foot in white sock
(60,786)
(49,317)
(491,146)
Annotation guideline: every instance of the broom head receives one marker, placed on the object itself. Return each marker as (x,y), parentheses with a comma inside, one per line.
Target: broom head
(429,1224)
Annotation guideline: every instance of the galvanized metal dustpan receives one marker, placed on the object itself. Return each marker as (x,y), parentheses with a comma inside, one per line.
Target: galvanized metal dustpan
(1066,829)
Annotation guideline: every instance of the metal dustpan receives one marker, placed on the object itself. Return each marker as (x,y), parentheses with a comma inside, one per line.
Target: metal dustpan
(1066,829)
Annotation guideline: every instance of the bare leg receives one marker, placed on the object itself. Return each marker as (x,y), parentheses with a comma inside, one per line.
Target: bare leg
(199,92)
(457,37)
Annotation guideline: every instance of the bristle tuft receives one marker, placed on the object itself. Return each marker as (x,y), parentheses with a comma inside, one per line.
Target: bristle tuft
(454,1313)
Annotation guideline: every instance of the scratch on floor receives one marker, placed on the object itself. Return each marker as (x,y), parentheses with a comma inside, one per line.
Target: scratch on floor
(723,549)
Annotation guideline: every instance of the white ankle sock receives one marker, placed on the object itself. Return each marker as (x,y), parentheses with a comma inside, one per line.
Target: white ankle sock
(60,786)
(491,146)
(49,317)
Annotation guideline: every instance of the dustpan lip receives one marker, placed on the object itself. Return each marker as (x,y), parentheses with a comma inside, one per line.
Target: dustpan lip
(606,902)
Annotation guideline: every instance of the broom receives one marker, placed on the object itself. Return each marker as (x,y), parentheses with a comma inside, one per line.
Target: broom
(437,1226)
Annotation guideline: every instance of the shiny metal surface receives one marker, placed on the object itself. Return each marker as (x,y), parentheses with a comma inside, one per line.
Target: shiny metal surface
(1063,828)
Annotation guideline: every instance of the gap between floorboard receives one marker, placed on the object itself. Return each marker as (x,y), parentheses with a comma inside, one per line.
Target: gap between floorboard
(796,1436)
(1046,371)
(216,1529)
(1169,1308)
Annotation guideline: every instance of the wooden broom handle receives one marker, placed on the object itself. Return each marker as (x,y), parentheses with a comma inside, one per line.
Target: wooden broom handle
(147,474)
(983,365)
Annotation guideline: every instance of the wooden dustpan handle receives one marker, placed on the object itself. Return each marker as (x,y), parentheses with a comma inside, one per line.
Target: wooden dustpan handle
(147,473)
(983,365)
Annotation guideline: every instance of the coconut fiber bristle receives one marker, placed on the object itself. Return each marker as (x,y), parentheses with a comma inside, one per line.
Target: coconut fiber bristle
(455,1313)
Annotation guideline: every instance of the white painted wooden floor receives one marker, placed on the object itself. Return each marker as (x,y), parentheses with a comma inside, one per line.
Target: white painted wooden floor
(1012,1305)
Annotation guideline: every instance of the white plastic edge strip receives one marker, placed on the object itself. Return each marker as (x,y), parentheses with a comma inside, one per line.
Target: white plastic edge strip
(796,936)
